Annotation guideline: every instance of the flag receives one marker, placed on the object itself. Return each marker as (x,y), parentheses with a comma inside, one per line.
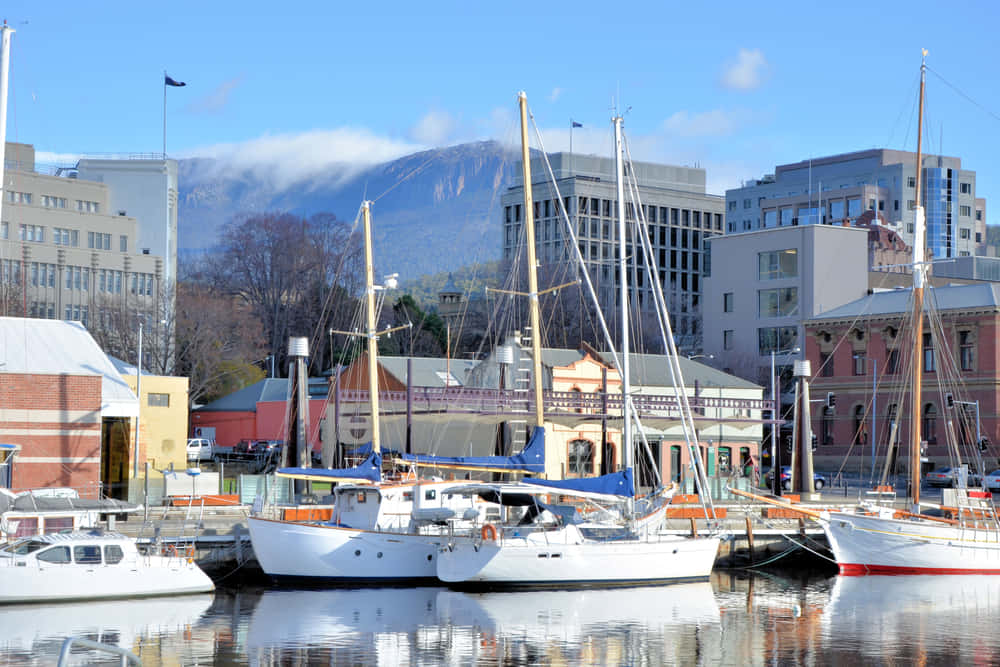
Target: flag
(167,81)
(575,124)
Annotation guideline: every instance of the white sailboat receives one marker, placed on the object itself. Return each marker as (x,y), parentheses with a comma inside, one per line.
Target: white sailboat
(568,553)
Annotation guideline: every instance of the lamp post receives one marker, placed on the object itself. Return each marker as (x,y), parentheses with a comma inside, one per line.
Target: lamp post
(775,411)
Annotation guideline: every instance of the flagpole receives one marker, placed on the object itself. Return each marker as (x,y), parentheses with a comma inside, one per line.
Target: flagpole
(164,114)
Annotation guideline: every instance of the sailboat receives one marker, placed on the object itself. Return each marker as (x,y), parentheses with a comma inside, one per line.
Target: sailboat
(879,539)
(381,529)
(565,550)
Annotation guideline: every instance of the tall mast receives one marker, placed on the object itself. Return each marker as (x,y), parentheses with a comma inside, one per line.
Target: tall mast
(366,215)
(919,269)
(623,297)
(529,233)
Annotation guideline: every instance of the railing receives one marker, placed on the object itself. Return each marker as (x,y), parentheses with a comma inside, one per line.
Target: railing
(125,655)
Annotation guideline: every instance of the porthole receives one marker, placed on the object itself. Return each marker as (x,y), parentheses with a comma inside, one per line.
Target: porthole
(379,554)
(430,557)
(357,552)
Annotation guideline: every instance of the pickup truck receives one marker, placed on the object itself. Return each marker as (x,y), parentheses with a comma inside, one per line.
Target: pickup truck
(200,449)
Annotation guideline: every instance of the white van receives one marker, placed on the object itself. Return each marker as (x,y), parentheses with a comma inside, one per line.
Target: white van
(199,449)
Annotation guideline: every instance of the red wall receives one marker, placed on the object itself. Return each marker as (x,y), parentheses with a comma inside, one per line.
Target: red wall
(56,419)
(230,427)
(268,423)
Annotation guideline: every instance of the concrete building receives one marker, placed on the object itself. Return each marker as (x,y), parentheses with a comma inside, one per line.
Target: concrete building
(163,416)
(680,214)
(67,251)
(838,189)
(865,342)
(764,285)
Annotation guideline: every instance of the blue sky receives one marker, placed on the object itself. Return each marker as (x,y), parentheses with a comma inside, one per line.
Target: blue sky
(733,87)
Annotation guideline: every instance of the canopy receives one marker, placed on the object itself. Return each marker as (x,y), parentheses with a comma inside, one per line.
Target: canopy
(370,469)
(531,459)
(615,484)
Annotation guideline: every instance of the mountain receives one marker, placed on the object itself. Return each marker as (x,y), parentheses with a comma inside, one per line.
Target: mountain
(434,211)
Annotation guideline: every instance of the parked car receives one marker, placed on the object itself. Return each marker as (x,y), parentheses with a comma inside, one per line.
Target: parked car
(992,481)
(819,480)
(949,477)
(200,449)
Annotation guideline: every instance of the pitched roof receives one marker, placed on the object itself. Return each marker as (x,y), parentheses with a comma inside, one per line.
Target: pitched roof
(428,371)
(893,302)
(57,347)
(268,389)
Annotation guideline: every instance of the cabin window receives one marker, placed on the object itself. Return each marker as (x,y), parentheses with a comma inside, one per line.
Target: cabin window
(362,497)
(27,526)
(408,496)
(581,457)
(87,553)
(430,494)
(55,555)
(113,554)
(56,524)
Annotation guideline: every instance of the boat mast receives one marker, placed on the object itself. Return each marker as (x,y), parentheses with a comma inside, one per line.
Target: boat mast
(529,233)
(366,216)
(919,269)
(623,298)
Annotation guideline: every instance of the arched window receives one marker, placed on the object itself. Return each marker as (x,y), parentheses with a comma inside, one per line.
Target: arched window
(577,398)
(930,423)
(827,426)
(859,424)
(581,457)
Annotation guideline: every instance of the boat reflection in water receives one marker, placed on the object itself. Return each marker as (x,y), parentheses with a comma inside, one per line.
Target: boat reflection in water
(936,619)
(33,634)
(397,626)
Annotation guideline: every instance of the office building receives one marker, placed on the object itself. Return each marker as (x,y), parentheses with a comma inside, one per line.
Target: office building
(839,189)
(679,213)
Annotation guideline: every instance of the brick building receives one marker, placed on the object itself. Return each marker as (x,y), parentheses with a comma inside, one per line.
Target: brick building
(846,343)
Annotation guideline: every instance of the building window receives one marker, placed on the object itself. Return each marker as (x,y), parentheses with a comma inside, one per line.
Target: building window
(19,197)
(911,181)
(965,351)
(158,400)
(826,364)
(777,264)
(581,457)
(892,362)
(965,211)
(929,358)
(727,302)
(50,201)
(781,302)
(123,241)
(911,205)
(965,188)
(776,339)
(727,339)
(930,423)
(859,425)
(859,364)
(828,417)
(890,421)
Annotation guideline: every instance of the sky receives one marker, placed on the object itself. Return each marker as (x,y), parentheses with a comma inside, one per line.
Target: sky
(735,88)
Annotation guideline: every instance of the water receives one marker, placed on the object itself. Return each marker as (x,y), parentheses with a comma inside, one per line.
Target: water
(736,619)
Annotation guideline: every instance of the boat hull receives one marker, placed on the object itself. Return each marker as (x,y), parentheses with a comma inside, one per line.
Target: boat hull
(289,551)
(863,544)
(540,561)
(152,576)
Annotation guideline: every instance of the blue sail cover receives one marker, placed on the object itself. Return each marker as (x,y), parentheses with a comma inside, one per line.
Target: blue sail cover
(531,459)
(615,484)
(370,469)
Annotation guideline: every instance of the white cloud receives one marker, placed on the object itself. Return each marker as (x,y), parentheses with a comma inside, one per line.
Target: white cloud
(216,100)
(714,123)
(287,158)
(436,128)
(746,73)
(555,94)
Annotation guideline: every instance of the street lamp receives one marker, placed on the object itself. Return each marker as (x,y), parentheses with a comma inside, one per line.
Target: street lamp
(775,411)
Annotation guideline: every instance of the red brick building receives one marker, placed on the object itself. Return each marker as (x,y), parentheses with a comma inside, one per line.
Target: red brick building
(960,375)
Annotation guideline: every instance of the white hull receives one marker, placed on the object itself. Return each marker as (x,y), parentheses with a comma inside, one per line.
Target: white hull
(878,545)
(288,550)
(561,558)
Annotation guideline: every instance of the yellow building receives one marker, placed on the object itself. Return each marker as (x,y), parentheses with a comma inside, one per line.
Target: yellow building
(163,419)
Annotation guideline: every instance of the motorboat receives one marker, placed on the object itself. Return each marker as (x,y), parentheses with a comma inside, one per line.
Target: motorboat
(95,565)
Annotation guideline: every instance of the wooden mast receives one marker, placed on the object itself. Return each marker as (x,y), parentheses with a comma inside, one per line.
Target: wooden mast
(529,233)
(919,276)
(366,215)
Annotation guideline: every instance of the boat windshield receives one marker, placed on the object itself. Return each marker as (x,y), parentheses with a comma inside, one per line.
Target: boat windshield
(23,547)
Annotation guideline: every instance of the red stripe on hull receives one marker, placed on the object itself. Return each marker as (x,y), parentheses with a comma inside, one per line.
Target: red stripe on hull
(858,569)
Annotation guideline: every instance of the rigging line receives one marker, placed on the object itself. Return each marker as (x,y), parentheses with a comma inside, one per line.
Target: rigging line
(416,170)
(967,97)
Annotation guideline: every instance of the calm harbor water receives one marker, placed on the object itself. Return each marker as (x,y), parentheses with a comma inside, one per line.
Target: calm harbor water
(736,619)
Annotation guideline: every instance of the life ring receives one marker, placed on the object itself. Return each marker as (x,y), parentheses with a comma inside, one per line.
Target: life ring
(489,532)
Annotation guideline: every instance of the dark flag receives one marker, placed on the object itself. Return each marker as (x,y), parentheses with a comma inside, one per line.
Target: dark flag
(167,81)
(576,124)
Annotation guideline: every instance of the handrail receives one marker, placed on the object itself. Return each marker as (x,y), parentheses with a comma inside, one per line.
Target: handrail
(126,655)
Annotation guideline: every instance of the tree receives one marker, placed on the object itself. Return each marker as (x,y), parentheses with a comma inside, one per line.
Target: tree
(295,275)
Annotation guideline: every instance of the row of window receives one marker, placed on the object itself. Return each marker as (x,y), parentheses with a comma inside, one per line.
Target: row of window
(64,237)
(928,425)
(966,357)
(42,274)
(52,201)
(607,208)
(47,310)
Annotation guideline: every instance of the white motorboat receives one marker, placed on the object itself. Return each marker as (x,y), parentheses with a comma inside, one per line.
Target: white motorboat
(94,565)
